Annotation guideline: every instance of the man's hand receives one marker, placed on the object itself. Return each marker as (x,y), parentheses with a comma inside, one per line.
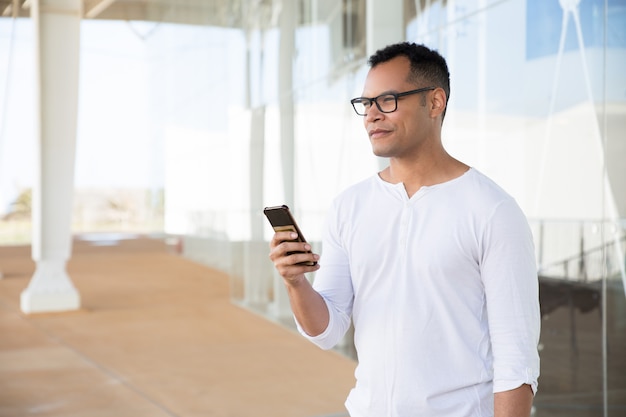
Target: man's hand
(287,257)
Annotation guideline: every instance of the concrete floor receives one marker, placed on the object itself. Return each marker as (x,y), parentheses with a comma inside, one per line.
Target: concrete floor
(157,336)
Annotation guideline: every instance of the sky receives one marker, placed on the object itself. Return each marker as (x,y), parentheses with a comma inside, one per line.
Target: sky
(121,113)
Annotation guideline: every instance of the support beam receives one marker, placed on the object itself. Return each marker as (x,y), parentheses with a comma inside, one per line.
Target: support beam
(287,21)
(57,32)
(95,8)
(256,263)
(384,25)
(285,90)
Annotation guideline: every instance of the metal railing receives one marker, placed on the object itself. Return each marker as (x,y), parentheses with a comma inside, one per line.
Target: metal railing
(581,250)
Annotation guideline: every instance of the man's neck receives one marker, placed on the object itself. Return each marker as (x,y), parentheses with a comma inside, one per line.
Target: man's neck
(420,172)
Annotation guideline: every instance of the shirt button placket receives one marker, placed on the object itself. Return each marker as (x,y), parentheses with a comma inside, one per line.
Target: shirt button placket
(404,227)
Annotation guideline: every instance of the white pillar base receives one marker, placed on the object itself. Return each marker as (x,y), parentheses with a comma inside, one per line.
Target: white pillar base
(50,290)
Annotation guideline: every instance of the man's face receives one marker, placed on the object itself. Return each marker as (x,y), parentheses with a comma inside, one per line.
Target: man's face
(401,133)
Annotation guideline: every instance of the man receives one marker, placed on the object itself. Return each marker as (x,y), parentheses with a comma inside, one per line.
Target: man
(432,261)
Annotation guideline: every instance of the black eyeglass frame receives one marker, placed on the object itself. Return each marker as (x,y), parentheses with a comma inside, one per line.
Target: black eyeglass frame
(395,95)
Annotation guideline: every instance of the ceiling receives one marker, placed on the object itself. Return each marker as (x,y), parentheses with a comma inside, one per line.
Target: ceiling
(243,14)
(227,13)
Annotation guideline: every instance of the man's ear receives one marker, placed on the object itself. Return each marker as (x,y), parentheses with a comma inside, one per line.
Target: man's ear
(438,102)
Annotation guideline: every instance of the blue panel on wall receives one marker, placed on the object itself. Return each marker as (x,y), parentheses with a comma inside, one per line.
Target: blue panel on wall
(544,21)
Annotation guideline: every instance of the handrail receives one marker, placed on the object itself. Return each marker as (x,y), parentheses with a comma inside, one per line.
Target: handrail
(583,254)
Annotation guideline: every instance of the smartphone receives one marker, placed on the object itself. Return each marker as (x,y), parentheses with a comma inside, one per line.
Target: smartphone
(282,221)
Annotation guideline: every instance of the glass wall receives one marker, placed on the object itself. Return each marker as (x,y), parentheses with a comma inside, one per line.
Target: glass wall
(538,103)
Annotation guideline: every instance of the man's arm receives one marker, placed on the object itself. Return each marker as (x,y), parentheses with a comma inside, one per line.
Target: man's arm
(307,305)
(514,403)
(509,273)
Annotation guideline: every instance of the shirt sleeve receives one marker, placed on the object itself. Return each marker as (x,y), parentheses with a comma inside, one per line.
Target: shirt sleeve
(333,282)
(509,274)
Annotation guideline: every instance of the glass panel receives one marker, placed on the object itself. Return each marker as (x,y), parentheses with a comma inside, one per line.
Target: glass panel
(541,110)
(613,116)
(17,130)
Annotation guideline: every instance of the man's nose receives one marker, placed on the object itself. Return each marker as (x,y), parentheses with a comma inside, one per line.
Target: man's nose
(373,113)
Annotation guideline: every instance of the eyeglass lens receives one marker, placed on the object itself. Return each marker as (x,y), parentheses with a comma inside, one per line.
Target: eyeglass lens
(386,103)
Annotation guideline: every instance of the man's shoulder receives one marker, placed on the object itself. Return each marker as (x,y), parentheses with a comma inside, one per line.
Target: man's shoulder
(358,188)
(485,196)
(356,197)
(481,185)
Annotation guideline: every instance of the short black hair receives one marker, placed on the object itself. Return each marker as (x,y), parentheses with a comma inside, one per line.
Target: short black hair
(427,65)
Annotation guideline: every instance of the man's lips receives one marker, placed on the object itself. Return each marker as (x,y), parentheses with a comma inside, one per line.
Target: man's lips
(376,133)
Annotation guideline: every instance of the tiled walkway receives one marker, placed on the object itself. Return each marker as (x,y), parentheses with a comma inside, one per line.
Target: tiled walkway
(156,336)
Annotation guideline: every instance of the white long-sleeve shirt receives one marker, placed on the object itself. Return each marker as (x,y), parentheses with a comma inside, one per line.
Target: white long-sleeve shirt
(443,292)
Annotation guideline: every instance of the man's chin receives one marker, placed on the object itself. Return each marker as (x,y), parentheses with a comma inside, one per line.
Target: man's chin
(381,153)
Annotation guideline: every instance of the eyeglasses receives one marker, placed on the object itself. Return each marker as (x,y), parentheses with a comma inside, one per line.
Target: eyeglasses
(386,103)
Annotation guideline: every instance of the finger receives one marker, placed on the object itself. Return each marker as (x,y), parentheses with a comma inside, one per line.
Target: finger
(296,264)
(302,259)
(289,254)
(289,248)
(283,249)
(280,237)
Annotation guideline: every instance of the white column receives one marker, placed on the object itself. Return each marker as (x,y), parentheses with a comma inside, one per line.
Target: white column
(287,22)
(57,31)
(256,269)
(257,264)
(285,91)
(384,26)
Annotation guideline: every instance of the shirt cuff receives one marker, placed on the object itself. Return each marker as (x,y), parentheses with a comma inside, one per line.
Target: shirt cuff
(323,339)
(510,384)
